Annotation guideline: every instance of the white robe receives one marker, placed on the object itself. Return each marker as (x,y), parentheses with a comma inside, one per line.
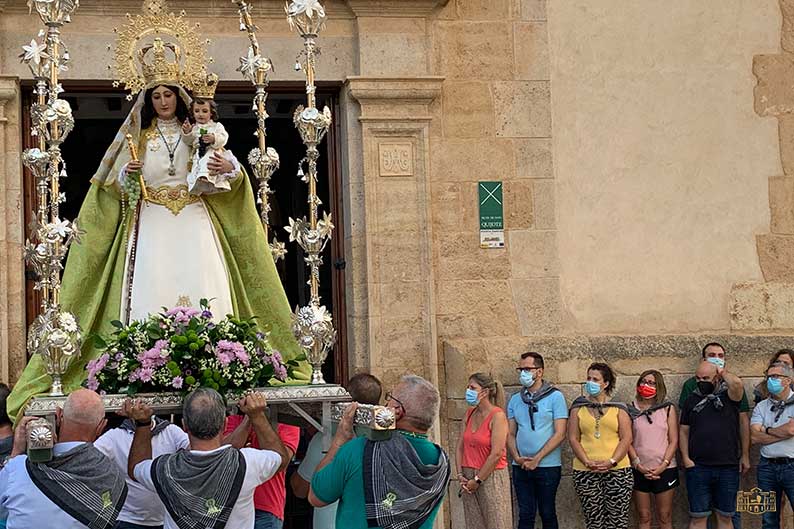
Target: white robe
(199,180)
(178,260)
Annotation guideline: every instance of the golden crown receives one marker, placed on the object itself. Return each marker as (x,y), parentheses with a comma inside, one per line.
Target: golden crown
(142,59)
(205,85)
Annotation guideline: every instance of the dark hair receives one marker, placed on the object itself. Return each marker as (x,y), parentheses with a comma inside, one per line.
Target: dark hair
(607,373)
(537,356)
(4,392)
(365,388)
(711,344)
(199,101)
(204,413)
(780,353)
(661,389)
(148,113)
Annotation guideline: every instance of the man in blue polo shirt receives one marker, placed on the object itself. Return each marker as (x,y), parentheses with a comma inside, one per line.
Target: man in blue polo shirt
(398,481)
(772,427)
(537,417)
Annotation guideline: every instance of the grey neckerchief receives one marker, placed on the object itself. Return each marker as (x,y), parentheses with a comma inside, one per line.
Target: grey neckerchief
(779,406)
(84,483)
(584,402)
(199,490)
(532,399)
(400,491)
(715,398)
(635,413)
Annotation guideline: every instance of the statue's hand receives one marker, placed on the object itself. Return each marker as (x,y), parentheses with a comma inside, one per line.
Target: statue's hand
(218,164)
(133,167)
(186,126)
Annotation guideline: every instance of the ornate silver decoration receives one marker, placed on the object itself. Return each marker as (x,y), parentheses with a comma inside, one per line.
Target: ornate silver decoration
(312,324)
(373,417)
(40,436)
(55,335)
(255,68)
(163,403)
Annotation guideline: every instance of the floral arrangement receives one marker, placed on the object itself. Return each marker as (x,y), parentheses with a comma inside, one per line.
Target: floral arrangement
(183,348)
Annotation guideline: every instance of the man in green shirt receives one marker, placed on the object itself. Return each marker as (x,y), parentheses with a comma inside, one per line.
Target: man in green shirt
(715,353)
(348,474)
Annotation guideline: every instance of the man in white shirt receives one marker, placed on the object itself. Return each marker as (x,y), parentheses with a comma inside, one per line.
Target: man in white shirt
(364,389)
(211,485)
(772,427)
(79,487)
(143,508)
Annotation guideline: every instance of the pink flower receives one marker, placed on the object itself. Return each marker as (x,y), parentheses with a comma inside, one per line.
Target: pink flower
(227,351)
(97,365)
(145,374)
(177,382)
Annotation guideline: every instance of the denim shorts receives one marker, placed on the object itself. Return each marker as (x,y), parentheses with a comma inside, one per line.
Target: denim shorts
(709,487)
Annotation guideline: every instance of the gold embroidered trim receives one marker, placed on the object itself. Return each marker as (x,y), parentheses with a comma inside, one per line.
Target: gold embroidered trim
(175,198)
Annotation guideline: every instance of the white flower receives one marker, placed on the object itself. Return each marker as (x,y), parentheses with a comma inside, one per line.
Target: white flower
(34,52)
(62,108)
(306,6)
(61,227)
(67,322)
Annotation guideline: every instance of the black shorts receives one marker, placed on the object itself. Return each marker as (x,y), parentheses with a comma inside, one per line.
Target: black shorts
(667,480)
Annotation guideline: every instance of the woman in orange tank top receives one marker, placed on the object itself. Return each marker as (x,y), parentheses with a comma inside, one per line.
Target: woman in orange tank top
(482,456)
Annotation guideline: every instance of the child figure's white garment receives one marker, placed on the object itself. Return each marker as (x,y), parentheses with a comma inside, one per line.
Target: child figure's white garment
(199,180)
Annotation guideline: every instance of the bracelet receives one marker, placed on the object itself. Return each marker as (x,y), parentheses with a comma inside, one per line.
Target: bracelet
(636,461)
(666,462)
(141,424)
(766,430)
(477,480)
(613,462)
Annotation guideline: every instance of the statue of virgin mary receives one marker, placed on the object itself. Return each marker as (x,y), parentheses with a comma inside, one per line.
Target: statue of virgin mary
(184,247)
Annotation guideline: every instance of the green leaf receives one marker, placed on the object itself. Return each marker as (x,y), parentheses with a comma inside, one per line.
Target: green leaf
(117,324)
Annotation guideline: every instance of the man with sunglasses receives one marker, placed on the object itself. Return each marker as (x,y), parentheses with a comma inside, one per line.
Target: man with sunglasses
(537,420)
(772,427)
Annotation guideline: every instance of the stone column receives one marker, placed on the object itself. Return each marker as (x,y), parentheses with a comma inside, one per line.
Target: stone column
(392,238)
(12,235)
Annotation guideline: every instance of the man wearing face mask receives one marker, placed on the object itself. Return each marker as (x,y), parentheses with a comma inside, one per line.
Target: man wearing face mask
(537,421)
(772,427)
(710,447)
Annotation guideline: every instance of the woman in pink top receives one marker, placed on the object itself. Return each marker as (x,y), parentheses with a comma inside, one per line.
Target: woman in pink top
(482,456)
(652,452)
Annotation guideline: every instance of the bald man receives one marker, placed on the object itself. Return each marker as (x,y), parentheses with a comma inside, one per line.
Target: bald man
(79,487)
(710,445)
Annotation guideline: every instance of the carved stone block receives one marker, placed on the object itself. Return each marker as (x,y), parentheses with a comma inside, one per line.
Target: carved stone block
(395,159)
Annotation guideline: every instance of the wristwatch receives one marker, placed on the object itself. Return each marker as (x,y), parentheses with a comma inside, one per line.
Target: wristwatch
(142,424)
(477,480)
(614,463)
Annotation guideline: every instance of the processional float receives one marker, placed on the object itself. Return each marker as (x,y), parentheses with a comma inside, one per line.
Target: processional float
(56,336)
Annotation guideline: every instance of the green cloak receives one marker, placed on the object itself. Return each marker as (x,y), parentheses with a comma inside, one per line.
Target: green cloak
(94,275)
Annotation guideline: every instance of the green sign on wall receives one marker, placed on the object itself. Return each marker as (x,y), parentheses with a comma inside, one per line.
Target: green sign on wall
(492,222)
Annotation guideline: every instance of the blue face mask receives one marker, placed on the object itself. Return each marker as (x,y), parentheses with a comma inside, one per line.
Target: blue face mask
(526,378)
(719,362)
(472,397)
(592,388)
(774,386)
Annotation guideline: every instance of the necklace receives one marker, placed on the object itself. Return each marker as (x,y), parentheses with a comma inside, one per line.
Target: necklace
(597,433)
(414,434)
(171,151)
